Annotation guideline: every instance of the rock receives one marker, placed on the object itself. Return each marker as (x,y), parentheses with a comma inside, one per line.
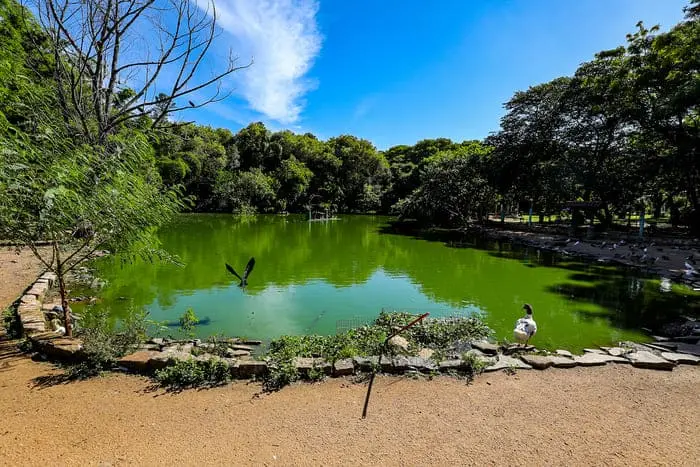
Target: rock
(197,342)
(251,342)
(517,348)
(447,365)
(564,353)
(681,358)
(479,355)
(598,351)
(366,363)
(646,359)
(617,351)
(595,359)
(399,342)
(692,349)
(344,367)
(57,347)
(156,340)
(49,277)
(538,362)
(185,348)
(249,369)
(305,365)
(486,347)
(247,348)
(505,362)
(143,361)
(656,348)
(401,364)
(235,353)
(562,362)
(147,346)
(426,353)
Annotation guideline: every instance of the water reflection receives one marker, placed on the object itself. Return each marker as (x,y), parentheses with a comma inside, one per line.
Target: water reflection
(310,275)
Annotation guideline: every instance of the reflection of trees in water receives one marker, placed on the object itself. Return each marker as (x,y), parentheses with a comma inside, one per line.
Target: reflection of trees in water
(486,275)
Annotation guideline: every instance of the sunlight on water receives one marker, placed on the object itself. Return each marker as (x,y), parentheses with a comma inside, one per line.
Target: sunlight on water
(309,277)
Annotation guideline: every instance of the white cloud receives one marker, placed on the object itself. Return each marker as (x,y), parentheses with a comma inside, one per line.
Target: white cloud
(283,38)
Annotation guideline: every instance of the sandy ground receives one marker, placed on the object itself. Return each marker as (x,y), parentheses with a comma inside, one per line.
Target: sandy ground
(611,415)
(17,271)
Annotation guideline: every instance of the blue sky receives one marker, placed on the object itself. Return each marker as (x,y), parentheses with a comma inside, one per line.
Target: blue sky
(396,72)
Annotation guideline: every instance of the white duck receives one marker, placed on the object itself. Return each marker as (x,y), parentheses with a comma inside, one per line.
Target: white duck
(525,327)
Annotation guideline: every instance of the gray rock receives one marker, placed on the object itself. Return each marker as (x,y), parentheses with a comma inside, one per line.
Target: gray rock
(538,362)
(562,362)
(401,364)
(156,340)
(564,353)
(681,358)
(426,353)
(251,342)
(366,363)
(478,354)
(249,369)
(399,342)
(344,367)
(692,349)
(646,359)
(304,365)
(655,348)
(140,361)
(598,351)
(241,347)
(486,347)
(617,351)
(505,362)
(447,365)
(235,353)
(595,359)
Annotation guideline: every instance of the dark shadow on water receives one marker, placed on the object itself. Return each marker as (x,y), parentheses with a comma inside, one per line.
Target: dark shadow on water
(629,298)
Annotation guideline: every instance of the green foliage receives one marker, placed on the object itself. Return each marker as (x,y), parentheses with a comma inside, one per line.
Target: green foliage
(437,333)
(194,373)
(10,321)
(188,321)
(105,340)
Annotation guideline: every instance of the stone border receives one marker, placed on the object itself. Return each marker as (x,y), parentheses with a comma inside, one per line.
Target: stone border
(160,353)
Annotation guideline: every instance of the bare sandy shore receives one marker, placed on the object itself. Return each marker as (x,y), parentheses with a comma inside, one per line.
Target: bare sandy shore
(612,415)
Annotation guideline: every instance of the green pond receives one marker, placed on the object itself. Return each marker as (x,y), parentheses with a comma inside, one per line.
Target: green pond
(320,277)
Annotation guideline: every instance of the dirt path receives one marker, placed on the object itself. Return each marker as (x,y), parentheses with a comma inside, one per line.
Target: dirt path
(613,415)
(17,271)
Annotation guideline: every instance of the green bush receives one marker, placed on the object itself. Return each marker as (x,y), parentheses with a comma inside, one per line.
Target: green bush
(105,340)
(10,321)
(192,373)
(437,333)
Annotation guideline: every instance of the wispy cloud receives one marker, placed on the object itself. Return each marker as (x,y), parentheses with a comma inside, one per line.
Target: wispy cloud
(283,39)
(365,105)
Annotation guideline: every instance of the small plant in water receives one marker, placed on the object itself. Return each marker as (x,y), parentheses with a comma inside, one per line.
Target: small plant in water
(188,321)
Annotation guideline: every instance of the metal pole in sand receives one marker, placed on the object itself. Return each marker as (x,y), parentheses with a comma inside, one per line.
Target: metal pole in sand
(379,361)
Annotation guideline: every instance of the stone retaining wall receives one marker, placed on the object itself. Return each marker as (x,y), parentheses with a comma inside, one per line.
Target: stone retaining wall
(159,353)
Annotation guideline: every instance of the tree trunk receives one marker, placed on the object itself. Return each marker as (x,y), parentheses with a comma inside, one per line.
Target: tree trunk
(62,291)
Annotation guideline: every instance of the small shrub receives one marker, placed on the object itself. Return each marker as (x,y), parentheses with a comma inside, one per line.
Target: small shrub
(105,340)
(194,373)
(188,321)
(475,364)
(10,321)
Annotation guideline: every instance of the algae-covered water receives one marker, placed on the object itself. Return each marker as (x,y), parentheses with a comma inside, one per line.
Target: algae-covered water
(320,277)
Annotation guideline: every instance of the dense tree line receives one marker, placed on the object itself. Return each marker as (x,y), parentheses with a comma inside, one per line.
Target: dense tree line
(623,131)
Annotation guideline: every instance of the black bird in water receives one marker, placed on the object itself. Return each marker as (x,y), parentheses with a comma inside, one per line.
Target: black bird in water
(246,273)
